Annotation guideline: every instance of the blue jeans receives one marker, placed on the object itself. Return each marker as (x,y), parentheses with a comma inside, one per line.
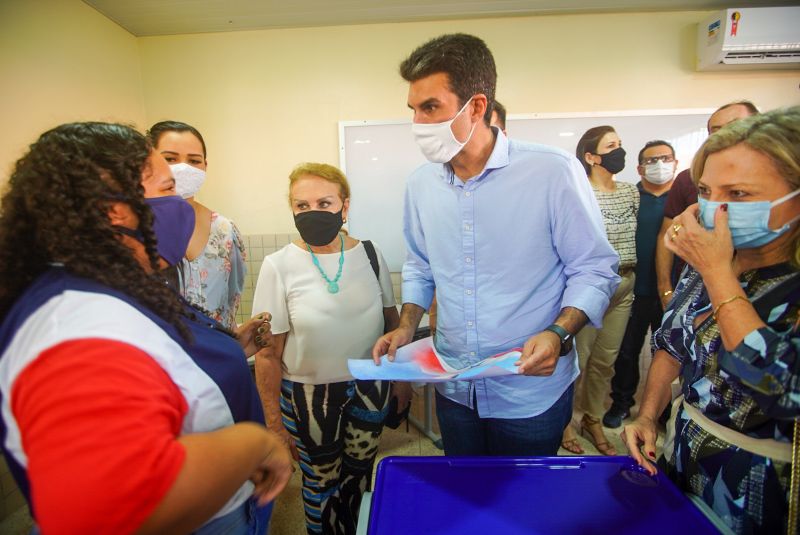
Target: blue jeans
(466,433)
(247,519)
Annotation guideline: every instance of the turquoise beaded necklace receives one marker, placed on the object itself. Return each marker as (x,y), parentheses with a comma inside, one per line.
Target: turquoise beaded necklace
(333,285)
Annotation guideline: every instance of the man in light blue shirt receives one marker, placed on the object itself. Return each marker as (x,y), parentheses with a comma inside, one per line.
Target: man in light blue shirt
(510,237)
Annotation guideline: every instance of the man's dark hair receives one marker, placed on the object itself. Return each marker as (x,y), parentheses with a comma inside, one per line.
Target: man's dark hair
(465,59)
(501,114)
(159,129)
(655,143)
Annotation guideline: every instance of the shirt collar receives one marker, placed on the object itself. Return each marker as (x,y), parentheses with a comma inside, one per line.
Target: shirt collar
(497,159)
(643,191)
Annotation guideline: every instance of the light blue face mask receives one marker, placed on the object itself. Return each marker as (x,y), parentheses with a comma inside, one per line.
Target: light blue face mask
(748,221)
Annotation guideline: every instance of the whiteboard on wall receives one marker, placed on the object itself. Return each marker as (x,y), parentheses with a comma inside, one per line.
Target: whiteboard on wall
(378,156)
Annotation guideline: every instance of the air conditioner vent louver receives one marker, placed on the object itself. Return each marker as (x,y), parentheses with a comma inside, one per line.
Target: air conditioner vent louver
(750,38)
(763,55)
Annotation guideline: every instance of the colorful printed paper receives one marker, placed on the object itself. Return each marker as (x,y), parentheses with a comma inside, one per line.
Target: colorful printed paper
(419,362)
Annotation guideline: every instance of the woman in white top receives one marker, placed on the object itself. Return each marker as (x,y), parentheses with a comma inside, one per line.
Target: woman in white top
(214,268)
(329,301)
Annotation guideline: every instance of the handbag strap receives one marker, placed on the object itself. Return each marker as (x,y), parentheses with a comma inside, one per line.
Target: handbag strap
(373,258)
(794,481)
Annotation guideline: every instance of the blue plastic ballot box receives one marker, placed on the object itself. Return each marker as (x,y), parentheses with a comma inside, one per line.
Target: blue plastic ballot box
(536,495)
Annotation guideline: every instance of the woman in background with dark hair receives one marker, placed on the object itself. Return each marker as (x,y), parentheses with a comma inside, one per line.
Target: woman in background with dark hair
(214,269)
(123,409)
(601,153)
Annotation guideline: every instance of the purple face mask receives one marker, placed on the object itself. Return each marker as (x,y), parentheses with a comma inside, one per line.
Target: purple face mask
(173,225)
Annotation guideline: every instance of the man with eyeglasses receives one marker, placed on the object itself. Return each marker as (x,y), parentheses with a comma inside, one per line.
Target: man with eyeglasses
(683,194)
(657,166)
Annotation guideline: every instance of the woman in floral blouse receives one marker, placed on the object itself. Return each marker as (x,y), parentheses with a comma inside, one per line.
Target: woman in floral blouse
(214,268)
(732,330)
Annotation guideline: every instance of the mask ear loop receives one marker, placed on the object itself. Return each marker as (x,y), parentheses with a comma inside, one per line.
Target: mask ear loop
(782,200)
(464,107)
(785,198)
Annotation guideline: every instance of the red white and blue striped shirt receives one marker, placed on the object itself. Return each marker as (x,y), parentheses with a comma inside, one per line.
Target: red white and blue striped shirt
(95,389)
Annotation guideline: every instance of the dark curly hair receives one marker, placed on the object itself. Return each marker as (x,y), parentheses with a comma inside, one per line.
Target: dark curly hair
(55,210)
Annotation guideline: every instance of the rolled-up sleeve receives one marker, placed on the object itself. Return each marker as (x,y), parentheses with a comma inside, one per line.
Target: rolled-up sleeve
(590,263)
(670,336)
(766,362)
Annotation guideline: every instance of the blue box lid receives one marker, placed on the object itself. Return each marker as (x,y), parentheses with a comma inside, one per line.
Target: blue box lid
(510,496)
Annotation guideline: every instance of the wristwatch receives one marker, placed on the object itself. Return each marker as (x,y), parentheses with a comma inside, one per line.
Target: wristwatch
(563,335)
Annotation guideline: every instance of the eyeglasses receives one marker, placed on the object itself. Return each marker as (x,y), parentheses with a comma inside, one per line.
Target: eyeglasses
(667,158)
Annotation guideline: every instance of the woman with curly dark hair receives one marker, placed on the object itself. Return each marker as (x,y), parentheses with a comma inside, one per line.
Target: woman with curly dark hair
(123,409)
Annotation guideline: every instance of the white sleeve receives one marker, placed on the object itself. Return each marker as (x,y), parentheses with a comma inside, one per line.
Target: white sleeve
(270,296)
(385,281)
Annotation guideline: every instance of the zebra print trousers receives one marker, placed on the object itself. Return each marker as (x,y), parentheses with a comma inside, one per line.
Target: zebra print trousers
(337,428)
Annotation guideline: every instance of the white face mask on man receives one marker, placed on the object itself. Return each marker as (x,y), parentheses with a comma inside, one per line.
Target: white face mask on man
(188,179)
(437,141)
(659,172)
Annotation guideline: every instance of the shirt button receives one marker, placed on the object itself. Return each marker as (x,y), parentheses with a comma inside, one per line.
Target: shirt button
(468,259)
(468,292)
(467,193)
(469,324)
(471,353)
(467,227)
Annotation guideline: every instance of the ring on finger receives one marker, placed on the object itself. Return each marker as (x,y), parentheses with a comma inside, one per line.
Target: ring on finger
(676,228)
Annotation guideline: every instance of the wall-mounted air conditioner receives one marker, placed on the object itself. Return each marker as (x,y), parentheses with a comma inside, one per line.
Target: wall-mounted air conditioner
(750,38)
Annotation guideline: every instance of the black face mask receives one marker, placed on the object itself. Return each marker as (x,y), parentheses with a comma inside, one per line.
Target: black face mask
(614,161)
(318,227)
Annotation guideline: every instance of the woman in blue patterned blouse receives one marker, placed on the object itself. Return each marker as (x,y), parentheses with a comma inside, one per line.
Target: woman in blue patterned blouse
(732,329)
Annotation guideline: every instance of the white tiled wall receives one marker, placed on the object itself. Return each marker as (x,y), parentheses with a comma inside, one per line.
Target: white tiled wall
(260,245)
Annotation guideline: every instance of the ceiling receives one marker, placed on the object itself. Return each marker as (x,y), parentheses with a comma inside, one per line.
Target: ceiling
(169,17)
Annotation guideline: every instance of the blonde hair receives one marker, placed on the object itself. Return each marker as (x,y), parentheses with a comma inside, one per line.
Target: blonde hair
(776,134)
(323,171)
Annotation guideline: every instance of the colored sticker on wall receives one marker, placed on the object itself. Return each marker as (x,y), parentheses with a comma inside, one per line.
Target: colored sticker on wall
(735,16)
(713,28)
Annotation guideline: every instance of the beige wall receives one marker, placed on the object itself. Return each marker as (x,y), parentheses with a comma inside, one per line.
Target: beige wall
(61,61)
(267,100)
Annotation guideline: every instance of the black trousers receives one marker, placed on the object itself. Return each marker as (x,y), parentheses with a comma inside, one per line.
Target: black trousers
(645,313)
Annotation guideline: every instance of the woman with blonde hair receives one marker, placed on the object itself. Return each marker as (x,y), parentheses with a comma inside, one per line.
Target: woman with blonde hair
(330,296)
(731,331)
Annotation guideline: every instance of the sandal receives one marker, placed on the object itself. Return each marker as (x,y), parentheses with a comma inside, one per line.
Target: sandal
(594,429)
(570,442)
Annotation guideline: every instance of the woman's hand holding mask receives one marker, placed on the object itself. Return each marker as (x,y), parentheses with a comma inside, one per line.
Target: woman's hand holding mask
(705,250)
